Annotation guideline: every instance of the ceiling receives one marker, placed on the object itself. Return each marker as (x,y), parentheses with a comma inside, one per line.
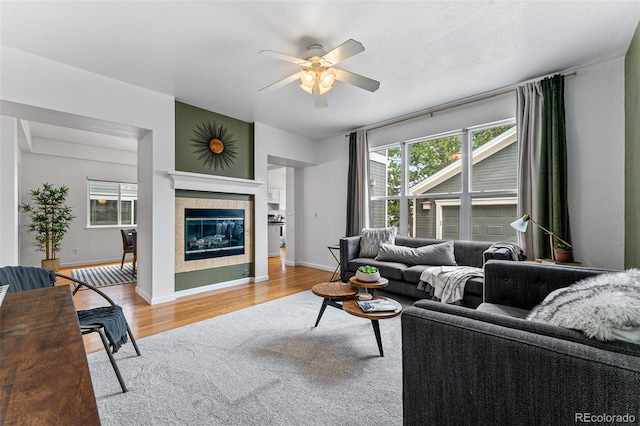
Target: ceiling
(424,53)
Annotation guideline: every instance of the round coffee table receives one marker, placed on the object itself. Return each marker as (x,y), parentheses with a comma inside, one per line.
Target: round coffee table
(332,293)
(351,307)
(369,286)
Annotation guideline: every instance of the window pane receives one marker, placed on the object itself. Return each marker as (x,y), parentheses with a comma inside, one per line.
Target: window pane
(384,172)
(424,223)
(385,213)
(103,212)
(126,216)
(436,218)
(495,159)
(490,219)
(112,203)
(135,212)
(434,166)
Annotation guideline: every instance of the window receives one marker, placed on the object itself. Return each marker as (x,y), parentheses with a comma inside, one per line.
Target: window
(112,203)
(431,188)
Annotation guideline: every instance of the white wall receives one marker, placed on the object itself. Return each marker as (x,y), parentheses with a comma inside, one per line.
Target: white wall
(322,206)
(33,81)
(594,105)
(9,184)
(92,245)
(288,149)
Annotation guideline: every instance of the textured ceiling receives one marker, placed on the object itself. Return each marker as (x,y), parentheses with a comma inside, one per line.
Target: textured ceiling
(424,53)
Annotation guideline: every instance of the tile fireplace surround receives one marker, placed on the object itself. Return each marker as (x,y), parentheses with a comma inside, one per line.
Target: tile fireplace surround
(204,203)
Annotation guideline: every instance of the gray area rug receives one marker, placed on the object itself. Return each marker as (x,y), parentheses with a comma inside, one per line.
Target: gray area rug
(103,276)
(264,365)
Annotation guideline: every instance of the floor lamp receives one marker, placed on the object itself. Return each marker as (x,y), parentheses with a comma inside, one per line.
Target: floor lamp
(521,225)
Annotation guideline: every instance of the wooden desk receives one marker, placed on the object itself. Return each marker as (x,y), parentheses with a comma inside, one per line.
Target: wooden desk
(44,376)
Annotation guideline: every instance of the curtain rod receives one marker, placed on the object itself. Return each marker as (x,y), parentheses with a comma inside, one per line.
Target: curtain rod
(455,104)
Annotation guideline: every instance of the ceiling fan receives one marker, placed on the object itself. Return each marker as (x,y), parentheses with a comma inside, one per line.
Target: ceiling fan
(319,72)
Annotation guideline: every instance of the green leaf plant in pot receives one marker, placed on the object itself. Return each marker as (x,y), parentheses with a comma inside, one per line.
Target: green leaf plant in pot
(562,252)
(367,274)
(50,218)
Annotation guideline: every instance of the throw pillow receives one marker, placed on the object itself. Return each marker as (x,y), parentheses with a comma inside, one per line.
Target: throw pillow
(371,238)
(435,254)
(394,253)
(604,307)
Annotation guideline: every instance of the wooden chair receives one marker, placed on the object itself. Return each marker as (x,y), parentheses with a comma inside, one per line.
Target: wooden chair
(127,243)
(102,320)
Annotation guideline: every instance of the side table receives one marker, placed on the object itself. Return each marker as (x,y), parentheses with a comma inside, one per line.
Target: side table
(336,273)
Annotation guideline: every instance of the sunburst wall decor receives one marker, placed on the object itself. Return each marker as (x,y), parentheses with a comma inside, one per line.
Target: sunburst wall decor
(215,145)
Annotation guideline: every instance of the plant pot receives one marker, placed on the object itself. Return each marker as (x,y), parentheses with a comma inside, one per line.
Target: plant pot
(367,278)
(563,256)
(52,264)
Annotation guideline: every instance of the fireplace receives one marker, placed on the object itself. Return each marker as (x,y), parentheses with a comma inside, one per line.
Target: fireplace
(211,233)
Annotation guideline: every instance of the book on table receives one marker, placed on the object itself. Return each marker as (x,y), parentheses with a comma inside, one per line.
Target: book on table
(377,305)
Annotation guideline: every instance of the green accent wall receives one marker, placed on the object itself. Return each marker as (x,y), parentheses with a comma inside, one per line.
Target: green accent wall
(194,279)
(632,153)
(188,118)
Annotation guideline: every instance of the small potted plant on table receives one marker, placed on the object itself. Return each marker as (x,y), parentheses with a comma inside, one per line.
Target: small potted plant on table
(562,253)
(367,274)
(50,219)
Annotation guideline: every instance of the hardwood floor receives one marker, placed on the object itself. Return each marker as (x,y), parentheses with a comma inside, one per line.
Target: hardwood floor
(146,320)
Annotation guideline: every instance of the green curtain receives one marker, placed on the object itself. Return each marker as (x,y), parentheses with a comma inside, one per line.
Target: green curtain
(553,207)
(353,226)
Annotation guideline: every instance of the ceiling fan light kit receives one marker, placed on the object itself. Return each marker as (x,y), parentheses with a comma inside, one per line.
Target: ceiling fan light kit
(319,73)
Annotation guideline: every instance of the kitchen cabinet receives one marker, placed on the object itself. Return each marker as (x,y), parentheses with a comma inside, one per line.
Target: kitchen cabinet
(273,196)
(283,199)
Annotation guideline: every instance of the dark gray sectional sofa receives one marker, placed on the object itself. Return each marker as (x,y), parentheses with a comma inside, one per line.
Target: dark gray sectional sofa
(404,278)
(488,366)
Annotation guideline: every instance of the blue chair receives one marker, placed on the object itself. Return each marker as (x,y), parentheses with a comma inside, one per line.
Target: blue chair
(108,321)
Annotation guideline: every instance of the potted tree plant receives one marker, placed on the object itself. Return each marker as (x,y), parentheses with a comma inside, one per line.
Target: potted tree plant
(562,252)
(50,218)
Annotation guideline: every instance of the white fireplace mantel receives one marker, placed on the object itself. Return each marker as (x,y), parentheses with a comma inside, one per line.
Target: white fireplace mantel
(213,183)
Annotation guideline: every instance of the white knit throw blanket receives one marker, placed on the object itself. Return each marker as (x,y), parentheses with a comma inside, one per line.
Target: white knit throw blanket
(449,281)
(604,307)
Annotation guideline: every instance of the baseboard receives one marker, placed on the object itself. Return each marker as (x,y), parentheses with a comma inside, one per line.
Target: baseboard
(316,266)
(216,286)
(92,262)
(260,279)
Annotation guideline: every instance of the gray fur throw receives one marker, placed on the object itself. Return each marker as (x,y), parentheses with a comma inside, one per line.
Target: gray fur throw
(604,307)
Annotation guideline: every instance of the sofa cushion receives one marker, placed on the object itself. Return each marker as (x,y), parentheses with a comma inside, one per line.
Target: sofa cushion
(371,238)
(388,270)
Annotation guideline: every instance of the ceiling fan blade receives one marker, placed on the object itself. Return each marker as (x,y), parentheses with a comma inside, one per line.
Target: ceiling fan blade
(319,100)
(357,80)
(282,56)
(281,83)
(342,52)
